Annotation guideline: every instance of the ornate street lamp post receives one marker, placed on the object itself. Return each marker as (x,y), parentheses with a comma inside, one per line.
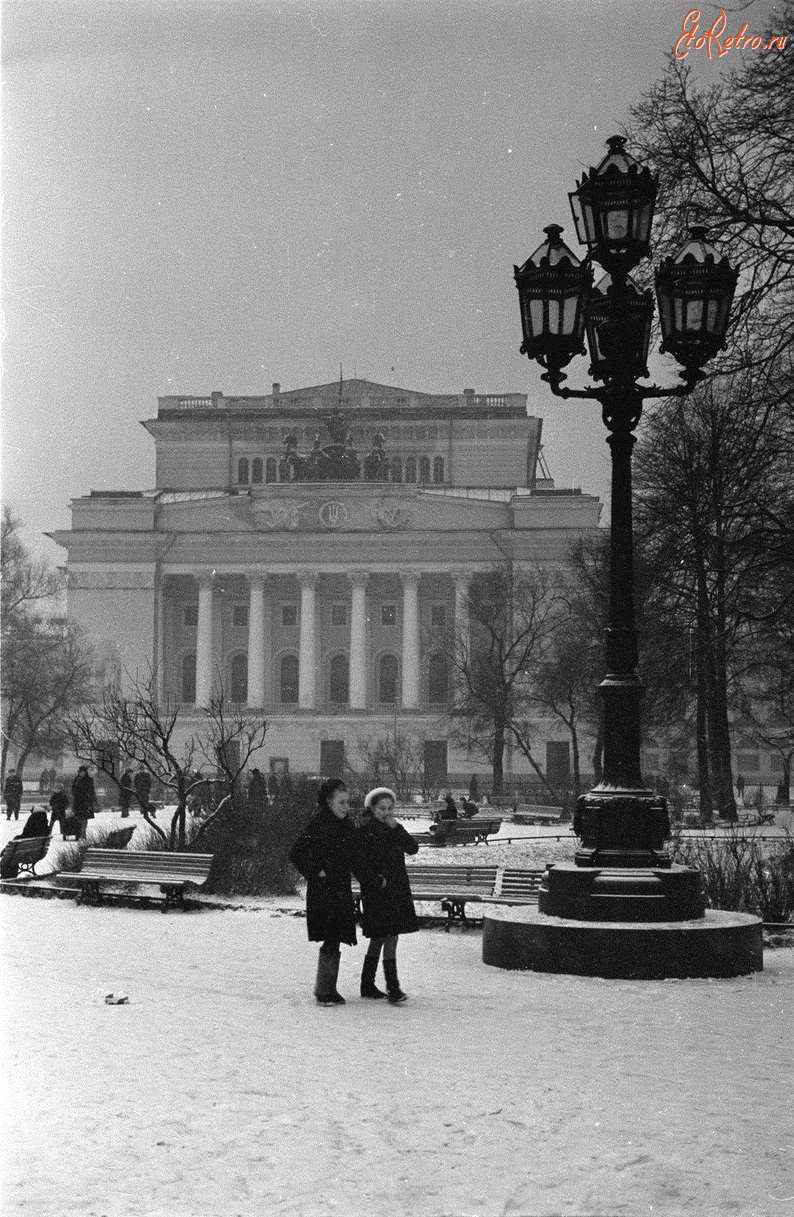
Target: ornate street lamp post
(622,871)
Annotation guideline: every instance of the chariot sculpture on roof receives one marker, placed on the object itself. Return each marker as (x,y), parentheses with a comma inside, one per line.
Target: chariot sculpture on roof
(334,462)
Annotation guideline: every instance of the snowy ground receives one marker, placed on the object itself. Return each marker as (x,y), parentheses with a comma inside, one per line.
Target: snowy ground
(222,1090)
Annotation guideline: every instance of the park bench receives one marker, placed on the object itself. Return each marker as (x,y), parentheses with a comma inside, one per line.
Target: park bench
(22,854)
(461,832)
(527,813)
(517,886)
(457,886)
(756,816)
(173,873)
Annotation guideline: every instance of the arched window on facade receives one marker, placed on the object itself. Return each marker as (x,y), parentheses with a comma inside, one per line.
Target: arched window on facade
(424,468)
(410,469)
(271,469)
(438,469)
(438,680)
(256,469)
(288,679)
(396,469)
(242,471)
(387,680)
(338,681)
(238,687)
(189,678)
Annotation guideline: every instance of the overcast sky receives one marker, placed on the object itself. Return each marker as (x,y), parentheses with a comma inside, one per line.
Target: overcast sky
(220,195)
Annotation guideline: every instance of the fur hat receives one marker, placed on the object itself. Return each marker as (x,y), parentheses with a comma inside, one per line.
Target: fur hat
(377,793)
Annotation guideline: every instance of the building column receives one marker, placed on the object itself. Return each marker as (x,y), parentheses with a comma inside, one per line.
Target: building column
(307,661)
(204,642)
(256,640)
(462,627)
(410,641)
(159,638)
(358,641)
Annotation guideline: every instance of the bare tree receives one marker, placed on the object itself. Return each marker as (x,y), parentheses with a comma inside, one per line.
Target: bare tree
(709,472)
(129,724)
(47,666)
(511,617)
(396,760)
(724,152)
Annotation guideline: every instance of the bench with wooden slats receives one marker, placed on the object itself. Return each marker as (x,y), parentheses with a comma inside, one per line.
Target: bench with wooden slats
(517,886)
(22,853)
(173,873)
(457,886)
(454,886)
(460,832)
(528,813)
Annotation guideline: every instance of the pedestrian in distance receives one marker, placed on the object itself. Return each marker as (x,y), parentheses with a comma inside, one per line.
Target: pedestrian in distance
(386,900)
(58,805)
(12,793)
(142,784)
(257,792)
(84,800)
(325,854)
(126,793)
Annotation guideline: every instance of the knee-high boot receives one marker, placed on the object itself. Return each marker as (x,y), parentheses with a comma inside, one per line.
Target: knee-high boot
(327,975)
(368,971)
(394,992)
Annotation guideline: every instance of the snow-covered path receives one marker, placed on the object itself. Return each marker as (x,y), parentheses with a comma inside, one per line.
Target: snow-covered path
(221,1090)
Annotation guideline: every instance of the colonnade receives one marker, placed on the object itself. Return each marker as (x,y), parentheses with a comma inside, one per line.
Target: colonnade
(307,645)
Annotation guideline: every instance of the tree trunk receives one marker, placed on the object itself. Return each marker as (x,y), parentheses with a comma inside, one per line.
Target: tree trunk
(702,741)
(498,759)
(723,776)
(577,781)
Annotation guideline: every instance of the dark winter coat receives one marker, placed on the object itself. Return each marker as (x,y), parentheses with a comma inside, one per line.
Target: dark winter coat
(13,791)
(36,825)
(143,786)
(328,844)
(126,791)
(83,797)
(389,908)
(58,803)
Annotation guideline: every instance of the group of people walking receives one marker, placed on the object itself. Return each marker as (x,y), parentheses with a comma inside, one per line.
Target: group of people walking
(328,853)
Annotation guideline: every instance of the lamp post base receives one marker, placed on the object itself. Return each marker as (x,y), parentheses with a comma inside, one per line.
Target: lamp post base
(720,944)
(622,893)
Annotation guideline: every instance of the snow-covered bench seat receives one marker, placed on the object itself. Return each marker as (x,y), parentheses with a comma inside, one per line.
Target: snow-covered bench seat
(528,813)
(173,873)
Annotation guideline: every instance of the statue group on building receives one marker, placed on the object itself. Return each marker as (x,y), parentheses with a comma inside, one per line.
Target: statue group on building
(334,462)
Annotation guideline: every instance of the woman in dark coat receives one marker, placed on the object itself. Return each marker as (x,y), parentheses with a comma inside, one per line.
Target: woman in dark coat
(385,893)
(325,856)
(83,798)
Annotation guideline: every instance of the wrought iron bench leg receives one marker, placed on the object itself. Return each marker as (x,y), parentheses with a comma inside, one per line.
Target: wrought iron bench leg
(90,893)
(455,911)
(174,898)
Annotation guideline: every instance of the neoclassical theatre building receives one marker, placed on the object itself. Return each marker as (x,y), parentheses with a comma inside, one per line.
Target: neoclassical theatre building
(304,550)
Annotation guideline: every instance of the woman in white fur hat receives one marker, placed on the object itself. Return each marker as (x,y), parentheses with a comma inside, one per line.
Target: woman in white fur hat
(387,903)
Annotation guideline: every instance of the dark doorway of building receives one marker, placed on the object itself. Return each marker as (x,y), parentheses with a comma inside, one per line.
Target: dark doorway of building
(435,763)
(332,758)
(558,764)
